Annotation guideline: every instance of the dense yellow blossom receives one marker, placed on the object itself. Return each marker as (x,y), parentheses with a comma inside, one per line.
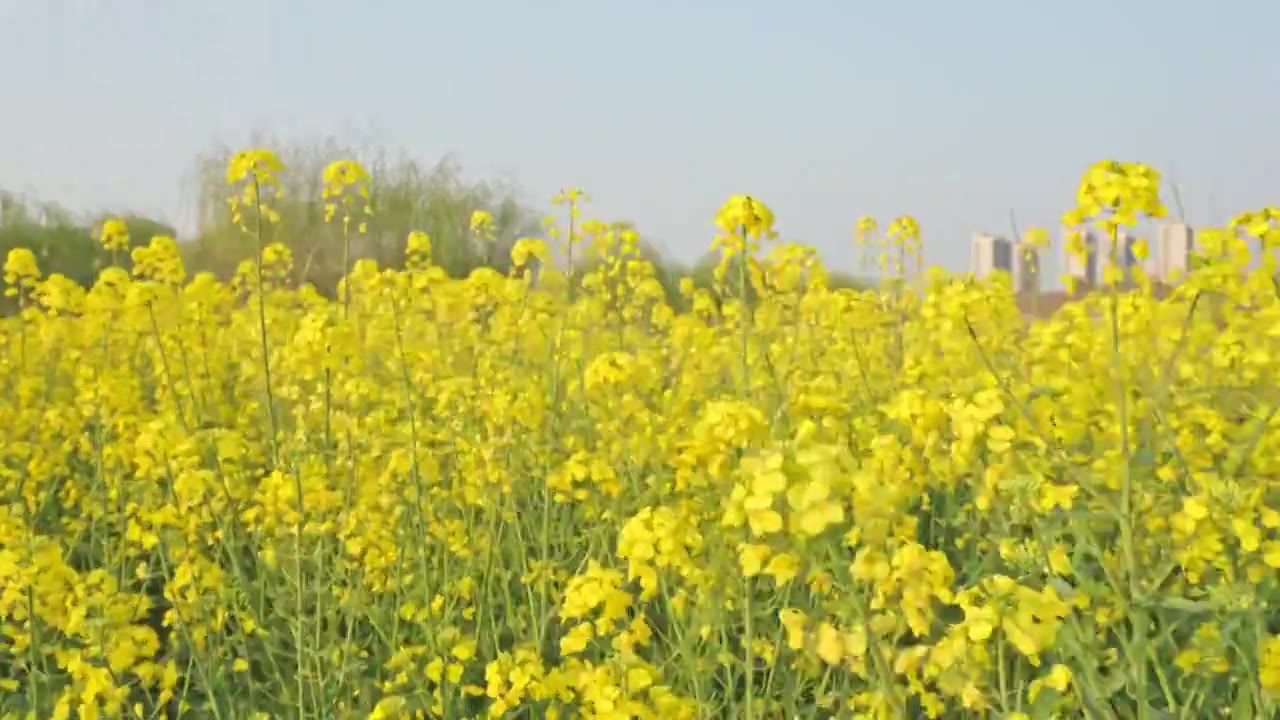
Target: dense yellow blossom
(559,494)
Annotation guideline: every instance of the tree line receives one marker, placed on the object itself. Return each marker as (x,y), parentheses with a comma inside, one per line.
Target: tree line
(407,195)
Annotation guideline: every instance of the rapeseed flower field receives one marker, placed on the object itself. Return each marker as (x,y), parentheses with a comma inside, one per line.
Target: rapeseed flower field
(550,494)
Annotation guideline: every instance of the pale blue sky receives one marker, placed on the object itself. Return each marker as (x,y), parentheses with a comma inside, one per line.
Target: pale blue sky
(954,112)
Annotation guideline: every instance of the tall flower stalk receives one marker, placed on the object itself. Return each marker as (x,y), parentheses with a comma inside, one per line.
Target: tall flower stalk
(1114,195)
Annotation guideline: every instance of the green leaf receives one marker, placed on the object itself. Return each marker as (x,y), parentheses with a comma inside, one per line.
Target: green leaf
(1045,705)
(1243,706)
(1041,391)
(1114,682)
(1185,605)
(1143,457)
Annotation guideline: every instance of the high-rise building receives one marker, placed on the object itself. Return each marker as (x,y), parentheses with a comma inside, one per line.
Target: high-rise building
(1026,269)
(990,253)
(1176,243)
(1084,270)
(1120,251)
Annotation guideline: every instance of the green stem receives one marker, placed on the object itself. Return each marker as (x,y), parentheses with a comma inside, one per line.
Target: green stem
(748,658)
(164,365)
(744,314)
(262,324)
(1139,636)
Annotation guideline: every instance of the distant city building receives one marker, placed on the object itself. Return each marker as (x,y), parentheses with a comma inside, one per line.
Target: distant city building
(1122,249)
(1026,269)
(990,253)
(1175,241)
(1085,271)
(1119,250)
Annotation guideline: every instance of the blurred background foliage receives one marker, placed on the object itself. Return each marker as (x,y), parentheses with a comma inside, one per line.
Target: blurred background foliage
(406,193)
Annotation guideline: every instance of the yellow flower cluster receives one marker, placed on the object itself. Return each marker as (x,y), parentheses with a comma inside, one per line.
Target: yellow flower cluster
(344,183)
(1116,194)
(114,234)
(21,272)
(746,216)
(159,261)
(561,494)
(256,172)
